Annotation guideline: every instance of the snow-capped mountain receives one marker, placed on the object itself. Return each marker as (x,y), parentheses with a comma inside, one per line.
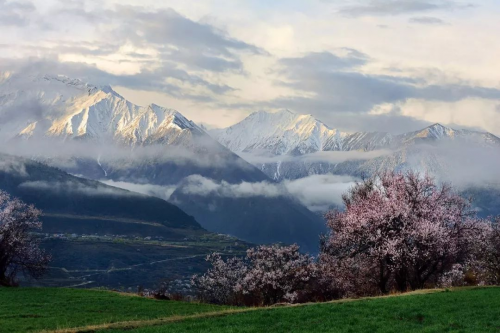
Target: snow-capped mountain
(438,132)
(288,133)
(95,132)
(286,145)
(279,133)
(57,106)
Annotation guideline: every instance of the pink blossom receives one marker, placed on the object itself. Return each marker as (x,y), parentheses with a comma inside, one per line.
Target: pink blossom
(401,231)
(19,248)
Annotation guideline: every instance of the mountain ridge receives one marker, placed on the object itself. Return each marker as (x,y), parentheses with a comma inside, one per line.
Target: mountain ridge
(297,139)
(431,149)
(96,112)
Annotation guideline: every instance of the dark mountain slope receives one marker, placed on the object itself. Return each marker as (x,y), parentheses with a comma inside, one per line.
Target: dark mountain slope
(72,204)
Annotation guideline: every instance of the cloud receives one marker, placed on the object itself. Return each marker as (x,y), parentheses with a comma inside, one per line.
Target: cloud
(14,166)
(317,192)
(73,187)
(320,192)
(338,88)
(206,58)
(24,110)
(320,156)
(427,20)
(202,186)
(134,47)
(162,192)
(66,154)
(183,85)
(181,39)
(465,164)
(399,7)
(326,61)
(173,36)
(328,85)
(15,13)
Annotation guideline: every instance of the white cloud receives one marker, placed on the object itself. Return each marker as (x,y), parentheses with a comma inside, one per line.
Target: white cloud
(202,186)
(317,192)
(320,156)
(320,192)
(73,187)
(162,192)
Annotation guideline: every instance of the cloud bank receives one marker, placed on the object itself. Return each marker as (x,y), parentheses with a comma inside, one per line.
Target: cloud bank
(317,192)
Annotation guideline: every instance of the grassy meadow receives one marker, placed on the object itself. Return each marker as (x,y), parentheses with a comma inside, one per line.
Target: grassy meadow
(72,310)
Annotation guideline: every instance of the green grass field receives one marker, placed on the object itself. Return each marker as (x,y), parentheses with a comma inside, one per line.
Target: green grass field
(460,310)
(36,309)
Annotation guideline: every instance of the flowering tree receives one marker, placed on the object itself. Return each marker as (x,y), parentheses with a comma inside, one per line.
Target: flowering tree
(267,275)
(487,259)
(401,231)
(493,253)
(277,273)
(19,249)
(220,284)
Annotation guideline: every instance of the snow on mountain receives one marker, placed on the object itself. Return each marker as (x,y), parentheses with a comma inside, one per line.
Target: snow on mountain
(438,132)
(285,132)
(93,131)
(288,133)
(57,106)
(296,146)
(279,133)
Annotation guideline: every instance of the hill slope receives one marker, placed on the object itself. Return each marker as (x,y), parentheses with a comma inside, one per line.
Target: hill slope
(459,310)
(74,199)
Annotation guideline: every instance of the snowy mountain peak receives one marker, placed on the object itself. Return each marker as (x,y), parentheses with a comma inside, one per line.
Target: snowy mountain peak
(285,132)
(280,133)
(59,106)
(437,131)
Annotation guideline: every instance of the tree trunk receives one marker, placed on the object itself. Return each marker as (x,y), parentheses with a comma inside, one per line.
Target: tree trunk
(402,280)
(382,280)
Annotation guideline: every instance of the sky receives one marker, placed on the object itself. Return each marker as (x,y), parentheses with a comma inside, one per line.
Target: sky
(361,65)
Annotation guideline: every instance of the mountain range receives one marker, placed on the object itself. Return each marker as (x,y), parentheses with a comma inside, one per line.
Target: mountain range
(93,132)
(286,145)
